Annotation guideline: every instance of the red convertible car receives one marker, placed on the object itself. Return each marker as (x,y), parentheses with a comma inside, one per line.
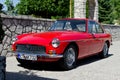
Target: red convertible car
(66,41)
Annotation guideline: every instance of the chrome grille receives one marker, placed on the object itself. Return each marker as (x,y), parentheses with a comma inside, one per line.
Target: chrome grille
(30,48)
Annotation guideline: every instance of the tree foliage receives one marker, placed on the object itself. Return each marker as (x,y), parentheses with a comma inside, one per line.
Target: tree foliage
(43,8)
(10,7)
(1,6)
(104,11)
(109,11)
(115,10)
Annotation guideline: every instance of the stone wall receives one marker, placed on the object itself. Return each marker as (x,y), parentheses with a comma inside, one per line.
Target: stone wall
(114,30)
(15,25)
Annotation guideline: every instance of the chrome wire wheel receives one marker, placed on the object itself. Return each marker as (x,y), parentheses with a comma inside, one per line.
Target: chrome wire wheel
(70,58)
(105,50)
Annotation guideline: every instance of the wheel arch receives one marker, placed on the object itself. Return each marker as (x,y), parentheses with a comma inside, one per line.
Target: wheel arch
(76,47)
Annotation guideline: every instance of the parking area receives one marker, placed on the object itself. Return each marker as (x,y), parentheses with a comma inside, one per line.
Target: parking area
(92,68)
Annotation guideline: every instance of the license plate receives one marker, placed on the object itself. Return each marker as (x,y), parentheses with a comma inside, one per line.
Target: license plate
(27,57)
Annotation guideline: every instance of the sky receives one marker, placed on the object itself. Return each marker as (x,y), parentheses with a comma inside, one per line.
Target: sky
(3,1)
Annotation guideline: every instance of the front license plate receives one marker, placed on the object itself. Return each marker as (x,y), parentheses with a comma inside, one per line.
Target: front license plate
(27,57)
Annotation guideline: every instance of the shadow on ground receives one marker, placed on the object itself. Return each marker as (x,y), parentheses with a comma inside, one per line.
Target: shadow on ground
(89,60)
(43,66)
(24,75)
(56,66)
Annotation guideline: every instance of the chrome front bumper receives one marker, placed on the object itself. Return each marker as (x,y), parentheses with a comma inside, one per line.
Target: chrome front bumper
(34,56)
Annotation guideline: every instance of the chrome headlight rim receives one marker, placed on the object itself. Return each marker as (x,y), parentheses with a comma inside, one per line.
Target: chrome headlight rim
(55,42)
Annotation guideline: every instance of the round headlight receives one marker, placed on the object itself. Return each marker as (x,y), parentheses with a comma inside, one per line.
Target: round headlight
(55,42)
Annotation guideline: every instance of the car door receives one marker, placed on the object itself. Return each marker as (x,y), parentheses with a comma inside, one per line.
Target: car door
(84,42)
(96,40)
(100,35)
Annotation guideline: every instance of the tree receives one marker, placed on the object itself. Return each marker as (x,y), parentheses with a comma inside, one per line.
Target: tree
(109,11)
(104,11)
(10,7)
(44,8)
(115,11)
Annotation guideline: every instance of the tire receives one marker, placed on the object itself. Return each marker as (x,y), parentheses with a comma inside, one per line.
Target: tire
(69,58)
(104,52)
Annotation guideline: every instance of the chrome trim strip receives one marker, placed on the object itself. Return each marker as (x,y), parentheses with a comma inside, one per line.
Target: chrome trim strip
(72,40)
(69,40)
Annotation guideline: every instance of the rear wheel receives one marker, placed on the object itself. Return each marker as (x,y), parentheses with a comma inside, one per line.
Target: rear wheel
(104,52)
(69,58)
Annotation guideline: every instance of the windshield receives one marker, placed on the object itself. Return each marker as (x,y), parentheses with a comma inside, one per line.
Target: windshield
(76,25)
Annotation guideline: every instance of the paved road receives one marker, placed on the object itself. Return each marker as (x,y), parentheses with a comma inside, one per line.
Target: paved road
(91,68)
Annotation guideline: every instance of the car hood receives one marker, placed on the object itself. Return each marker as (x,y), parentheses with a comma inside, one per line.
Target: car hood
(44,38)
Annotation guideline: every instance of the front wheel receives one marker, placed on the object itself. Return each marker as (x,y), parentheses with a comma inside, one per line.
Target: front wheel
(69,58)
(104,52)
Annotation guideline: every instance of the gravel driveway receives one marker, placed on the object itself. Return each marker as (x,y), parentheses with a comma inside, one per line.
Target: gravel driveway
(91,68)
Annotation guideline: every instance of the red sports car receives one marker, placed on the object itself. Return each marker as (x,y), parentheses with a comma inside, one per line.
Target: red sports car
(66,41)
